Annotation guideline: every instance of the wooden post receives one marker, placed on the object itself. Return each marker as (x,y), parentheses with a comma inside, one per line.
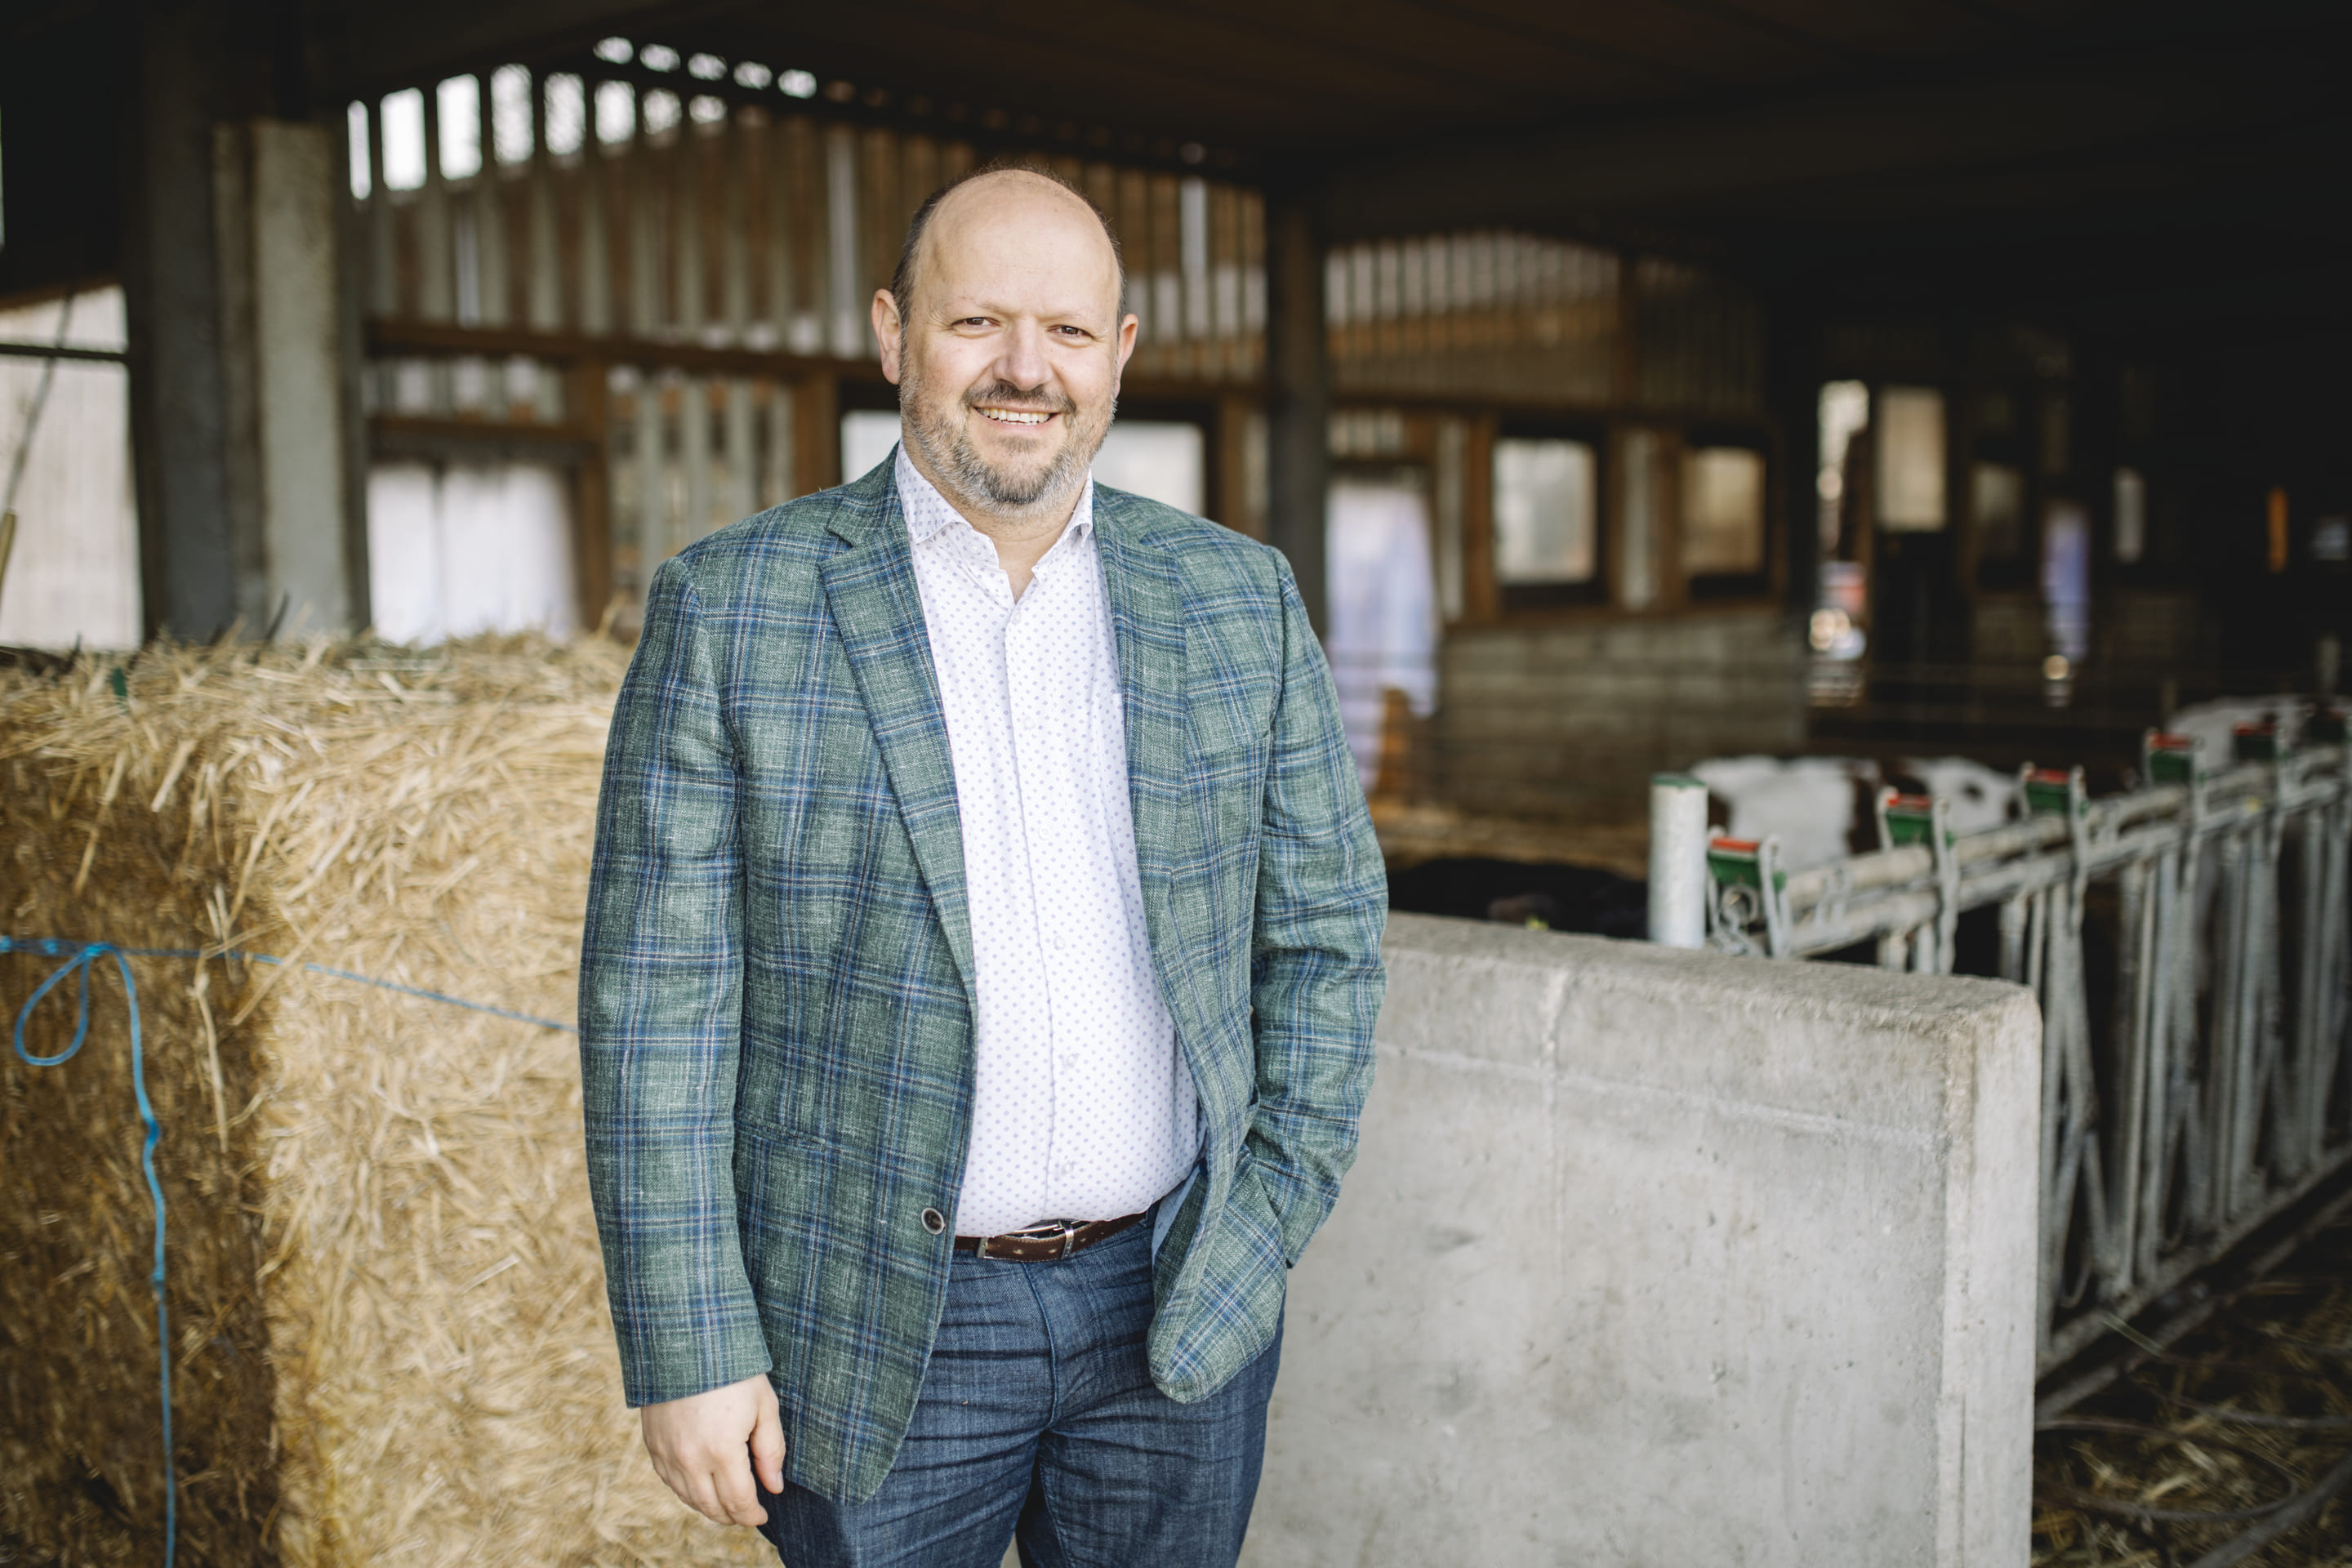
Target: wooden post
(546,289)
(490,218)
(595,238)
(1235,500)
(1626,373)
(740,498)
(690,292)
(736,164)
(189,542)
(651,447)
(1481,598)
(694,457)
(1298,372)
(591,509)
(816,437)
(641,188)
(436,284)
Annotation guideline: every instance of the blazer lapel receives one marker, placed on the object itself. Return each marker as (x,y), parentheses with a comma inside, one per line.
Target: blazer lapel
(1146,597)
(880,614)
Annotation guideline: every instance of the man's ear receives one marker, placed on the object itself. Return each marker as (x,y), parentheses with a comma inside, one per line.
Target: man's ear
(1127,329)
(888,330)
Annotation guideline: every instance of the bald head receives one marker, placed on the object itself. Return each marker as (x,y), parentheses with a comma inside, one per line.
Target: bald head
(1007,190)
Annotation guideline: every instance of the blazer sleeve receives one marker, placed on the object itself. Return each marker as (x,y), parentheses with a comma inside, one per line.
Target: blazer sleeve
(661,988)
(1316,975)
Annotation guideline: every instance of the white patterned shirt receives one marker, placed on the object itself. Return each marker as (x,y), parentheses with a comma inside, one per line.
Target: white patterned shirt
(1081,1106)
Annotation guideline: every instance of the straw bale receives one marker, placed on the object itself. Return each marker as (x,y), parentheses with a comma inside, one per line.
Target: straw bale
(390,1338)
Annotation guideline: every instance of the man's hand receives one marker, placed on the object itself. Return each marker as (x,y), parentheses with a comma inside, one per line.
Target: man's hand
(698,1447)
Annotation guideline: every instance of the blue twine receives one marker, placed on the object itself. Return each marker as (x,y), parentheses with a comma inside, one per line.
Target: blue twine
(79,957)
(79,961)
(348,974)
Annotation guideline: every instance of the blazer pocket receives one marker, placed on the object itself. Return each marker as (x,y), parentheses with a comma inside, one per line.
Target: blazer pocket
(1230,713)
(1251,1221)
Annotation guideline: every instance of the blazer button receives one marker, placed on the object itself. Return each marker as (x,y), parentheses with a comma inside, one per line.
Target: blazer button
(934,1221)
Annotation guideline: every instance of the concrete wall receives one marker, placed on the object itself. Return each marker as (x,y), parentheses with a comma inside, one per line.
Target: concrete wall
(1664,1260)
(1574,716)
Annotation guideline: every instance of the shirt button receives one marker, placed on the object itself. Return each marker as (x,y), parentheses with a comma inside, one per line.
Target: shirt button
(934,1221)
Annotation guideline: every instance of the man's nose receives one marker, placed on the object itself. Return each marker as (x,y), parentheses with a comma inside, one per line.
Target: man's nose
(1024,362)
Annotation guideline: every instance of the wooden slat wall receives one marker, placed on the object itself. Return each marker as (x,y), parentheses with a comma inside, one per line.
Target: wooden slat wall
(755,236)
(722,232)
(1512,318)
(714,226)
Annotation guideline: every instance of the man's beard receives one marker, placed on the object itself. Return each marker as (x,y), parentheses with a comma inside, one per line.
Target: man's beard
(936,429)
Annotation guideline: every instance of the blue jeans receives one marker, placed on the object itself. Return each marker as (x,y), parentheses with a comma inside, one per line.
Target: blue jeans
(1038,1418)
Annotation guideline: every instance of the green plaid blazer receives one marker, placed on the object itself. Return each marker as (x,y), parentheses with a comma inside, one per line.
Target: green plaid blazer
(775,988)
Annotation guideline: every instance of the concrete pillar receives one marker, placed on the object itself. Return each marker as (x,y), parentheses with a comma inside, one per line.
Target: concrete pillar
(240,335)
(1299,383)
(280,233)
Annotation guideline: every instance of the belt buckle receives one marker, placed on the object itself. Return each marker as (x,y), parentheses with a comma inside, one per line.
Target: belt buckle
(1064,1230)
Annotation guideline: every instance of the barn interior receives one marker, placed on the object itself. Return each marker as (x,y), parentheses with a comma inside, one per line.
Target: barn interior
(1918,388)
(1628,384)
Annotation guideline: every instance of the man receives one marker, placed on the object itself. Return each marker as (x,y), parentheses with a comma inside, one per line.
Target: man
(981,966)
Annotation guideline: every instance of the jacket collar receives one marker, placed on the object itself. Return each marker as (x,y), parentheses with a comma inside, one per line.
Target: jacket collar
(870,589)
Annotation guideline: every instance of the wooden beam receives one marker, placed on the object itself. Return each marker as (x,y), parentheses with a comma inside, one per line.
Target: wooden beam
(1299,368)
(1230,492)
(388,335)
(191,544)
(1482,599)
(592,499)
(62,351)
(405,430)
(395,335)
(817,435)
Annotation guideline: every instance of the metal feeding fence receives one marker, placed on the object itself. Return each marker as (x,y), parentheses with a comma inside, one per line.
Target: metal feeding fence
(2188,943)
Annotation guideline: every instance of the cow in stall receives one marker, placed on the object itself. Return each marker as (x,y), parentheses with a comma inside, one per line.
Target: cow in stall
(1821,808)
(2215,725)
(1825,808)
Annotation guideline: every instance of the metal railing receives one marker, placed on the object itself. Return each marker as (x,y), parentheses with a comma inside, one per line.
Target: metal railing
(2189,945)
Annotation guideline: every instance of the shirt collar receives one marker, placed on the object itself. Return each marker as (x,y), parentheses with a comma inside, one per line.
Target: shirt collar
(928,511)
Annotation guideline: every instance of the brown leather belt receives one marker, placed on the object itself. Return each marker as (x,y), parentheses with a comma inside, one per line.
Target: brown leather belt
(1046,1242)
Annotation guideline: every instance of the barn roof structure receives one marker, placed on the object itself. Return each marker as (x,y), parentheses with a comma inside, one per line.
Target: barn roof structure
(2168,170)
(2065,148)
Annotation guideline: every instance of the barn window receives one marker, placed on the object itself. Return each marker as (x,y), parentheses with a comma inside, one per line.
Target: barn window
(458,106)
(403,117)
(1545,546)
(1723,511)
(1911,460)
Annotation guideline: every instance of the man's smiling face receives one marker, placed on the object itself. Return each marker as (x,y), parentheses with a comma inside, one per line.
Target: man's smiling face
(1008,355)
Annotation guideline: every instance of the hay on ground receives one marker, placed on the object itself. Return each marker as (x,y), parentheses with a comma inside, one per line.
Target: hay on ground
(390,1334)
